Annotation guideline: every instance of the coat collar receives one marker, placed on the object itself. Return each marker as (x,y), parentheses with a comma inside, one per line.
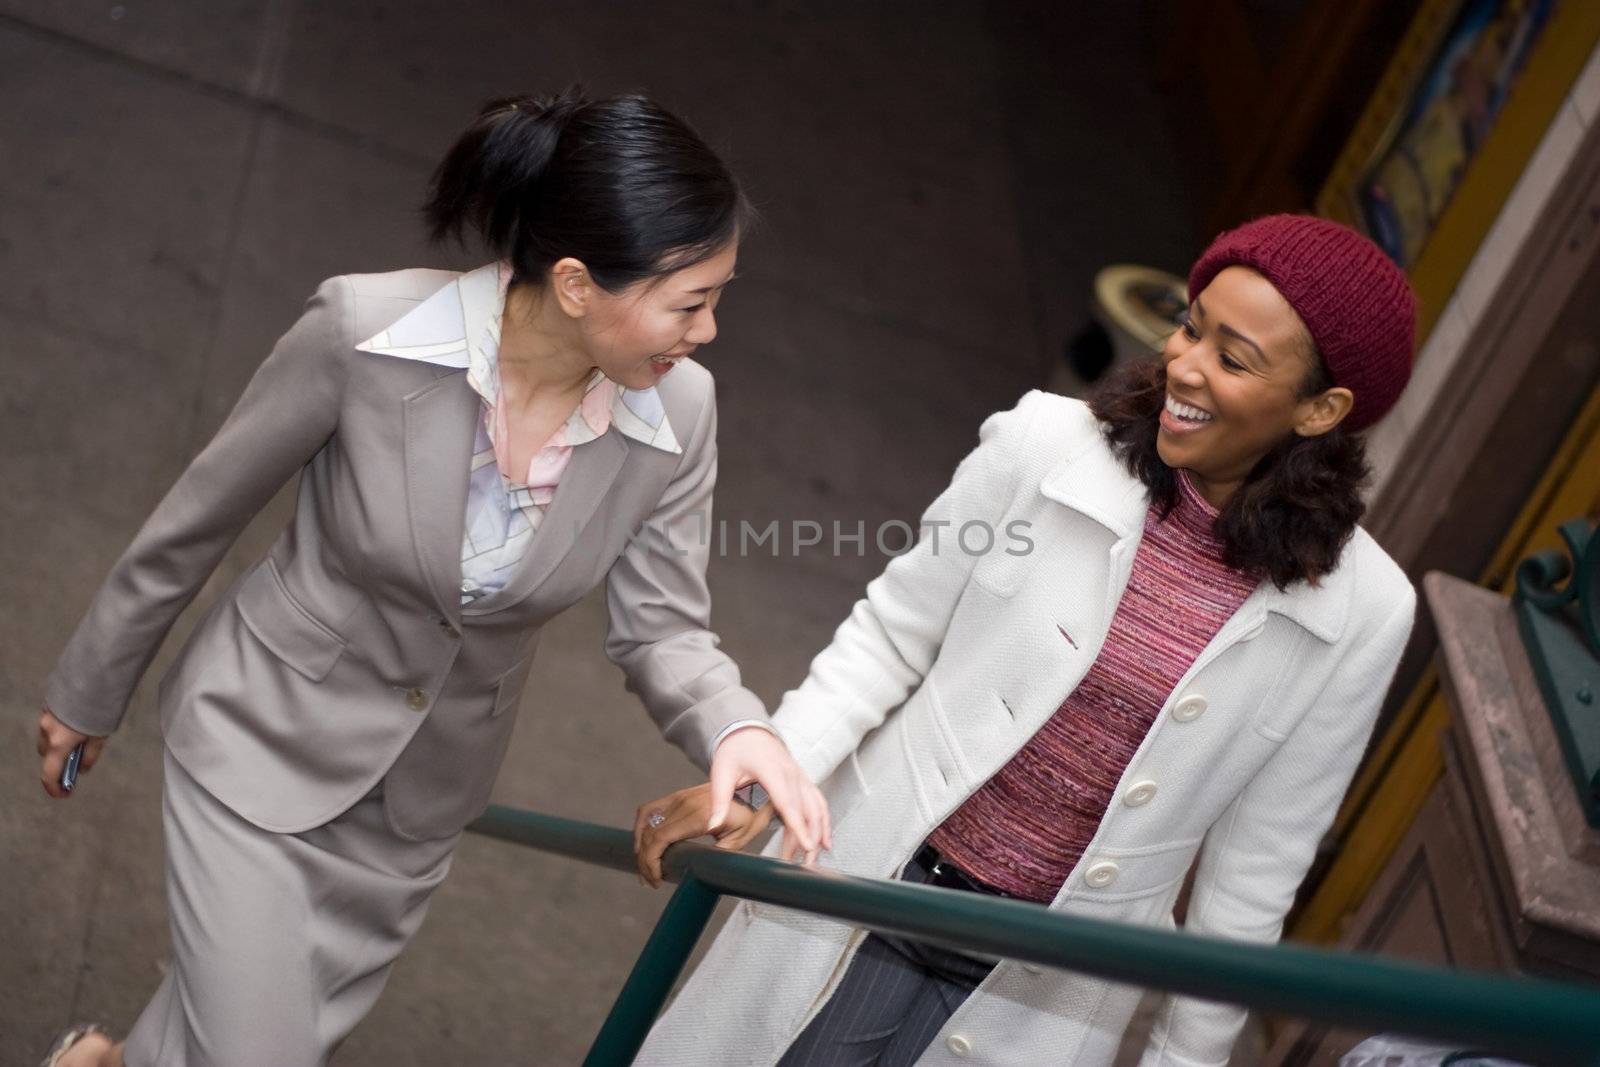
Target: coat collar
(1091,480)
(458,328)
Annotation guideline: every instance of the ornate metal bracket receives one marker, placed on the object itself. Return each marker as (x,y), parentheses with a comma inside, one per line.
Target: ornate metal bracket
(1561,630)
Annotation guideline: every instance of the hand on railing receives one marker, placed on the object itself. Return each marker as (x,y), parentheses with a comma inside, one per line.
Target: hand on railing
(687,814)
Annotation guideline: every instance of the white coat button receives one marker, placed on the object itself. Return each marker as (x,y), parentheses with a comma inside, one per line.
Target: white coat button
(1101,874)
(416,699)
(1139,794)
(958,1045)
(1189,708)
(1253,633)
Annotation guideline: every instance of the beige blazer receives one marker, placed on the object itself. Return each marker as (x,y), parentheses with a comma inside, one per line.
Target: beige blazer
(951,662)
(345,655)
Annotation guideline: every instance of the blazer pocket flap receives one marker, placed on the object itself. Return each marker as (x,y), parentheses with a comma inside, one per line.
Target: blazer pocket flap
(508,688)
(287,629)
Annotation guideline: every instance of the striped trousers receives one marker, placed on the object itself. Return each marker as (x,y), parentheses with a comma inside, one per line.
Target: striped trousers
(893,999)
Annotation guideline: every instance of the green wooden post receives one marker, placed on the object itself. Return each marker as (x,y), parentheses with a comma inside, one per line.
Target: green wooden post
(658,966)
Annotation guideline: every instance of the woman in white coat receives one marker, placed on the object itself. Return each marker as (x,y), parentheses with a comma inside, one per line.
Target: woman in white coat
(1151,630)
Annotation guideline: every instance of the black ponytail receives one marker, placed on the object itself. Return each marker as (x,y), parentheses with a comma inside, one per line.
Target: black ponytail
(620,184)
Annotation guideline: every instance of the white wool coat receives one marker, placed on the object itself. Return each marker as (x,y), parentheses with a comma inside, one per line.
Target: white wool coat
(952,661)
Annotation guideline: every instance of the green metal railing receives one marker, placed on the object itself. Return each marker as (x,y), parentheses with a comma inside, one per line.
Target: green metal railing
(1530,1019)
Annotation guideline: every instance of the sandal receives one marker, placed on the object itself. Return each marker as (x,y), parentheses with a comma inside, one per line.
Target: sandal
(66,1039)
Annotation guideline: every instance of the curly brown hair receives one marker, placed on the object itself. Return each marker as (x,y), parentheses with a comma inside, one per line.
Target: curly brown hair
(1298,505)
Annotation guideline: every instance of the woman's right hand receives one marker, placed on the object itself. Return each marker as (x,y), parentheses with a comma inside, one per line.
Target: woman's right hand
(56,742)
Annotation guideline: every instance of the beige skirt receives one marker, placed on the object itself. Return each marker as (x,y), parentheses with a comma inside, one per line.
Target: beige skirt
(281,943)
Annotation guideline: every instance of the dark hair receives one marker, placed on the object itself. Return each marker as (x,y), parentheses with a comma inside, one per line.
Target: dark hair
(621,184)
(1298,505)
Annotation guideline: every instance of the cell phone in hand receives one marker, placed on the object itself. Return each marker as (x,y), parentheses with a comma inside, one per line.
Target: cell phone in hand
(69,773)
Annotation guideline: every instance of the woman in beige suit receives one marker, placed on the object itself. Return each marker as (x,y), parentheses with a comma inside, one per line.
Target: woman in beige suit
(476,453)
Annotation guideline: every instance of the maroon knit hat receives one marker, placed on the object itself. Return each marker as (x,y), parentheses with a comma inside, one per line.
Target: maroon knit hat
(1354,299)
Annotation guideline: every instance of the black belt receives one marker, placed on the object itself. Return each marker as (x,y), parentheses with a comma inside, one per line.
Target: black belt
(941,872)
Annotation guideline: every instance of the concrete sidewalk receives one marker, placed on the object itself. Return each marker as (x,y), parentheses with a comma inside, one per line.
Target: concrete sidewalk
(939,182)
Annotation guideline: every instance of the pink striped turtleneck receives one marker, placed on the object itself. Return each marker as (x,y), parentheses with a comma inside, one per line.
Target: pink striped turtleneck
(1025,828)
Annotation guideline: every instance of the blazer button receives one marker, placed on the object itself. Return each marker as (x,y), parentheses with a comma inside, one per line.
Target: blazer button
(1139,795)
(1101,874)
(416,698)
(1189,708)
(958,1045)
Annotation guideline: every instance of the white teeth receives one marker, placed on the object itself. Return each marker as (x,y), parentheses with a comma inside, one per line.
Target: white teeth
(1186,411)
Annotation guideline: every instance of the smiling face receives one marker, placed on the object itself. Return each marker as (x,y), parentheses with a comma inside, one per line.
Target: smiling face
(1235,371)
(639,334)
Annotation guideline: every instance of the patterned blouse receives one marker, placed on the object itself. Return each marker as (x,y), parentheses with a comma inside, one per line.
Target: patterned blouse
(459,326)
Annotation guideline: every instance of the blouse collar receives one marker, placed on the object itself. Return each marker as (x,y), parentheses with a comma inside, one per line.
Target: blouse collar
(459,326)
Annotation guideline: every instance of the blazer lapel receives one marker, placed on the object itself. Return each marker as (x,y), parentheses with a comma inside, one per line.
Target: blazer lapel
(590,472)
(440,429)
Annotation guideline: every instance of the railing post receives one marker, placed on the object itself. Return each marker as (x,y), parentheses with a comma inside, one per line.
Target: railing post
(682,922)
